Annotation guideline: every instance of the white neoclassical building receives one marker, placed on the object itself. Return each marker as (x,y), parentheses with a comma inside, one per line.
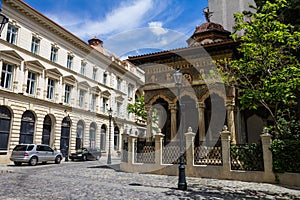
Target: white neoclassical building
(56,89)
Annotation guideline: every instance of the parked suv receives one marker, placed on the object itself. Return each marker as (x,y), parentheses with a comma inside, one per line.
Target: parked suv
(34,153)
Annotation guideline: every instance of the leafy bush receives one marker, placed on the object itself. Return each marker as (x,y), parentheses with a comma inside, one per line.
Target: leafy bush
(286,155)
(249,157)
(286,144)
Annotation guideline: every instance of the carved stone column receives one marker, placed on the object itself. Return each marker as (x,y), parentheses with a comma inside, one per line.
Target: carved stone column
(173,109)
(149,123)
(201,124)
(230,105)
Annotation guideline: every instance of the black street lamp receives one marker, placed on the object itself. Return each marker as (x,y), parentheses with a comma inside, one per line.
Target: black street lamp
(3,21)
(181,176)
(109,137)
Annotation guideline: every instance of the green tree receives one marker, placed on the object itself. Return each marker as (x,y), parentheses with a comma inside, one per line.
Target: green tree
(266,71)
(138,108)
(288,15)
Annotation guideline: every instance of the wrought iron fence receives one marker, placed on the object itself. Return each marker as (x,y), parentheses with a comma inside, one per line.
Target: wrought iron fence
(247,157)
(171,153)
(206,155)
(144,152)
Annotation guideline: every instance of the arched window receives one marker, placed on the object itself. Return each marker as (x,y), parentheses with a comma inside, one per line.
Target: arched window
(5,121)
(27,127)
(46,130)
(79,134)
(116,138)
(92,135)
(65,136)
(102,137)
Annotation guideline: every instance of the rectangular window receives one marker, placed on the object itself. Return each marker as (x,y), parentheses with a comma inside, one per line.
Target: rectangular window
(119,84)
(35,45)
(70,62)
(104,78)
(50,89)
(53,56)
(104,102)
(67,94)
(93,103)
(81,98)
(7,75)
(129,91)
(118,109)
(12,33)
(31,83)
(82,69)
(94,76)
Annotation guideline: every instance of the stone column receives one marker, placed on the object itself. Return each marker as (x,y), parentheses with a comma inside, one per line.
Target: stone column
(149,124)
(230,119)
(225,140)
(173,108)
(131,143)
(189,142)
(267,155)
(201,109)
(158,147)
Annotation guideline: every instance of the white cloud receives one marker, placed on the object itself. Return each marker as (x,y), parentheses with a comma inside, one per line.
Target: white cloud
(156,28)
(143,38)
(126,16)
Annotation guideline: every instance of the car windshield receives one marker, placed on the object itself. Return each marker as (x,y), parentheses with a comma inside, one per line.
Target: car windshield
(20,148)
(81,150)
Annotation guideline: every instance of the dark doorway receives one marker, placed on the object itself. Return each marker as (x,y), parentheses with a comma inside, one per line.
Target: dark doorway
(46,130)
(65,136)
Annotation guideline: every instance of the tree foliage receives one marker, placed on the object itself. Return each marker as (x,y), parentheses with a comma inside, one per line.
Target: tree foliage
(288,15)
(267,70)
(138,108)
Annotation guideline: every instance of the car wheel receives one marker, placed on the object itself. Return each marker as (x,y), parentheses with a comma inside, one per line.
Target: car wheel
(84,158)
(57,159)
(72,159)
(98,157)
(33,161)
(18,163)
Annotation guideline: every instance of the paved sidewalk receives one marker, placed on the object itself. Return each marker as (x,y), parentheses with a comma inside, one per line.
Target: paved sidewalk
(97,180)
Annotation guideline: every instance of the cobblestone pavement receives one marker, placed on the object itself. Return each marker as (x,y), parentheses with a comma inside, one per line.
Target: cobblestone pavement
(95,180)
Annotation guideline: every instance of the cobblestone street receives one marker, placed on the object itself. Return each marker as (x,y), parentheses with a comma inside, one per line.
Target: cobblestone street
(95,180)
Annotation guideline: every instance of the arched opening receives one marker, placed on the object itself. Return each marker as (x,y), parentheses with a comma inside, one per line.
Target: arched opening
(215,118)
(47,126)
(79,134)
(102,137)
(5,121)
(92,135)
(65,136)
(189,116)
(116,138)
(161,118)
(27,127)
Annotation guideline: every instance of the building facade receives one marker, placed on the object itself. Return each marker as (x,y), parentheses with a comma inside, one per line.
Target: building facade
(206,103)
(56,89)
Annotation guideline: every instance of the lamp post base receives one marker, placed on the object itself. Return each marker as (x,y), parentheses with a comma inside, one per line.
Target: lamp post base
(181,178)
(109,159)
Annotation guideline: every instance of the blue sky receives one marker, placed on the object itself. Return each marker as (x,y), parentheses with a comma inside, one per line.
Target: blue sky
(127,27)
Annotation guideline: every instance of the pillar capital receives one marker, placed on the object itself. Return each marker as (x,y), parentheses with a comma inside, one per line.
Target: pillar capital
(173,107)
(230,103)
(200,105)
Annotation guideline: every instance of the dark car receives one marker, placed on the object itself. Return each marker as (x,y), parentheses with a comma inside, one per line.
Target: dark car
(86,154)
